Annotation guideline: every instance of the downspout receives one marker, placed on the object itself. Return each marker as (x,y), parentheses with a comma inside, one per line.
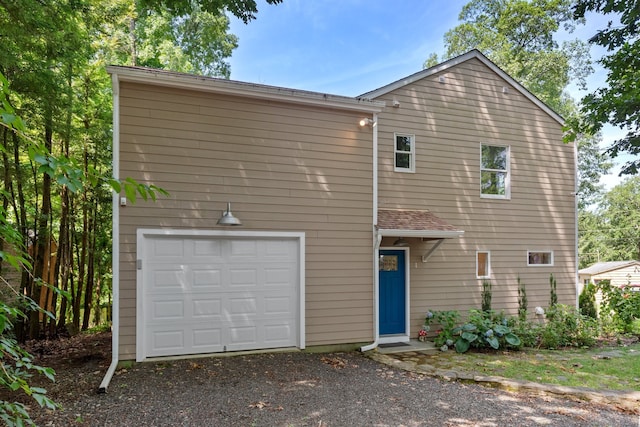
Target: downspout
(575,209)
(378,239)
(115,248)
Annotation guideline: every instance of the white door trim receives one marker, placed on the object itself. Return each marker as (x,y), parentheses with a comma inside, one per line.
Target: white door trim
(143,233)
(386,339)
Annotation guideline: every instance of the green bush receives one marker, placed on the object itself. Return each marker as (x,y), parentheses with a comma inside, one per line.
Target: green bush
(486,295)
(587,301)
(528,332)
(624,303)
(447,320)
(523,304)
(484,329)
(566,327)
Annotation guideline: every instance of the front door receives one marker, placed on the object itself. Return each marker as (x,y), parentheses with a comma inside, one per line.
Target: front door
(392,292)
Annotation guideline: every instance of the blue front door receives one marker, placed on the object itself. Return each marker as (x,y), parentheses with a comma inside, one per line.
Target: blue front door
(392,293)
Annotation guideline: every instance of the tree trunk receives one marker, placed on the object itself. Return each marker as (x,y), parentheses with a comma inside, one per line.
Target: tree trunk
(21,217)
(88,292)
(42,238)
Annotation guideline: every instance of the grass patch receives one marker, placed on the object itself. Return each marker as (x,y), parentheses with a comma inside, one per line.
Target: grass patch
(611,368)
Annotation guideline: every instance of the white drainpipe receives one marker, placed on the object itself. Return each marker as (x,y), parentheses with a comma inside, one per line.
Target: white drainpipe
(115,259)
(378,239)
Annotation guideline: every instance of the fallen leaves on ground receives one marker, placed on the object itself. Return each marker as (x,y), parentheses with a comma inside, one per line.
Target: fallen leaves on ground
(335,362)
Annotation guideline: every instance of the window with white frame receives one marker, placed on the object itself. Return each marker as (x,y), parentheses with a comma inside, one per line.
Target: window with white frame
(483,264)
(404,150)
(494,171)
(539,258)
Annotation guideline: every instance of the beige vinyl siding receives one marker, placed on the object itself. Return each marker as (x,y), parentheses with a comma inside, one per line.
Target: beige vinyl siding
(283,167)
(450,120)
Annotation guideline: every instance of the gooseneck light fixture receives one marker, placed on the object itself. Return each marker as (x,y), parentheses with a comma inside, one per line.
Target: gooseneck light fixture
(227,217)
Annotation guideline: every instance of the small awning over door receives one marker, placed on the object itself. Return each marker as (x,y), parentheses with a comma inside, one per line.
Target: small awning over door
(416,223)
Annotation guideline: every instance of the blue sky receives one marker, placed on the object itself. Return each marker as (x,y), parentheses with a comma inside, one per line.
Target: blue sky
(348,47)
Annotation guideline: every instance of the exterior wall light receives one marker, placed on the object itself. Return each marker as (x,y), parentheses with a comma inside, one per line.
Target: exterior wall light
(227,217)
(367,122)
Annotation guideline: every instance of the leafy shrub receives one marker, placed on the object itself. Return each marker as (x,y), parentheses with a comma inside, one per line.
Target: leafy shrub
(484,329)
(523,304)
(587,301)
(486,295)
(566,327)
(16,368)
(624,303)
(553,298)
(447,320)
(528,332)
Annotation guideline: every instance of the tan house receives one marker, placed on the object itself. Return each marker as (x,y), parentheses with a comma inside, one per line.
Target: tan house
(618,273)
(358,214)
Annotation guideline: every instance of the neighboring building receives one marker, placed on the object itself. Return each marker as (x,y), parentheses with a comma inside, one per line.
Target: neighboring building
(618,273)
(349,233)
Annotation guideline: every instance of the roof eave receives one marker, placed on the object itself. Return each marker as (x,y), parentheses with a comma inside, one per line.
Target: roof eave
(230,87)
(428,234)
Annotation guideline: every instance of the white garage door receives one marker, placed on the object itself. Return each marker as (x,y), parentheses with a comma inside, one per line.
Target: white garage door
(216,294)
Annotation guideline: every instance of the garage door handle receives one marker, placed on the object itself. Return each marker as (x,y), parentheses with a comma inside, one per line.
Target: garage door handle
(139,264)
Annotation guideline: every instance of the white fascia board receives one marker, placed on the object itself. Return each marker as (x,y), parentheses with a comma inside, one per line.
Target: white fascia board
(251,90)
(427,234)
(452,63)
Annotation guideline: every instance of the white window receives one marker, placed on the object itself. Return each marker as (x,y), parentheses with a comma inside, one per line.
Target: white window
(538,258)
(483,264)
(404,150)
(494,171)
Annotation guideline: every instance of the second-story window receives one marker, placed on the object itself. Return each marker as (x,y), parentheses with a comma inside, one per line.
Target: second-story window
(495,179)
(404,150)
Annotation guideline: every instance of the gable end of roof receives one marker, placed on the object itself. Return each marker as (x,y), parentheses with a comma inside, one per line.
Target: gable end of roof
(472,54)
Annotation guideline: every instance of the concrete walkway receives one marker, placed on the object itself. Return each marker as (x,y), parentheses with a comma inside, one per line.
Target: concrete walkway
(410,357)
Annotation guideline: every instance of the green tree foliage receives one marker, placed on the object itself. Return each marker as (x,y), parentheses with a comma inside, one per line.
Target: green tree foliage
(195,43)
(518,35)
(53,191)
(618,103)
(612,231)
(243,9)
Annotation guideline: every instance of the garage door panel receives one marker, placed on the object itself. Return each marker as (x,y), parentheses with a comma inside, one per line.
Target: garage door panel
(279,305)
(168,248)
(219,294)
(243,276)
(167,340)
(244,249)
(207,279)
(277,334)
(207,339)
(169,278)
(167,311)
(207,308)
(206,249)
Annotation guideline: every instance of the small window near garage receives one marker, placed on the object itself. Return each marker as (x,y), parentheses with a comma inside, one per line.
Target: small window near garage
(404,150)
(494,171)
(483,265)
(539,258)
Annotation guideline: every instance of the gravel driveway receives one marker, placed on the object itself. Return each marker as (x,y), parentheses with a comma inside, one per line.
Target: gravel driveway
(296,389)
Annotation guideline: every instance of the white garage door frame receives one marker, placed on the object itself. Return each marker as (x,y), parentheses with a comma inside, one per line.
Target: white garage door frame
(143,234)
